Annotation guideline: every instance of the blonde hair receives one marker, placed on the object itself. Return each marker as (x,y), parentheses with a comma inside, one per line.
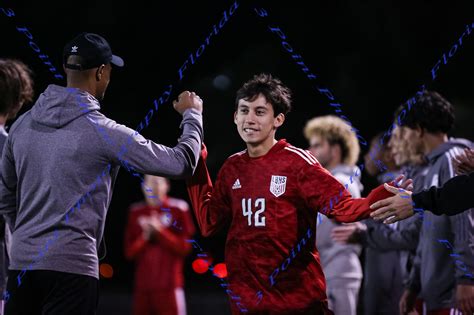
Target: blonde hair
(335,131)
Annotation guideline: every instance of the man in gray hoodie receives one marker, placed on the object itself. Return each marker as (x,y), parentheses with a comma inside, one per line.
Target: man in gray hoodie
(389,249)
(337,149)
(443,271)
(58,170)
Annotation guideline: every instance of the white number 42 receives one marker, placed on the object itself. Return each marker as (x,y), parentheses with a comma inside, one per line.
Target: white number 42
(259,207)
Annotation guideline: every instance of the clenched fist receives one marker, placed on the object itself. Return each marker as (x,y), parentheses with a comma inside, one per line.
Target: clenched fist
(187,100)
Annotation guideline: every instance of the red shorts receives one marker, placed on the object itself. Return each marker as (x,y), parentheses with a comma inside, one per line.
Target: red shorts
(444,311)
(159,302)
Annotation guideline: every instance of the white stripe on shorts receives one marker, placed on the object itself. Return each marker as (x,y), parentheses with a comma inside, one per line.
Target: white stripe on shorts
(180,301)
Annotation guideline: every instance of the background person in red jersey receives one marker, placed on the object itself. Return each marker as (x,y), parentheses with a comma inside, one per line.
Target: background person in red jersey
(270,194)
(156,239)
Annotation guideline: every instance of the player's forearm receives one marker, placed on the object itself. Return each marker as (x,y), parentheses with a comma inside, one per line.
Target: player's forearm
(134,248)
(200,191)
(180,161)
(385,238)
(351,210)
(175,243)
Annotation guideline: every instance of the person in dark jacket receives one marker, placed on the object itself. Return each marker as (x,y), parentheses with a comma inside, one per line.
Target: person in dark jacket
(442,279)
(16,89)
(454,197)
(58,171)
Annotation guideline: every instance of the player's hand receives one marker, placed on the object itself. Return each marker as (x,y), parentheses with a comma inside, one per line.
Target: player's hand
(404,184)
(348,233)
(394,208)
(465,298)
(407,302)
(147,231)
(464,163)
(155,223)
(187,100)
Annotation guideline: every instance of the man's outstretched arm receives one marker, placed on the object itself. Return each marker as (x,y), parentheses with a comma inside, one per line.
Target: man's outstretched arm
(140,155)
(454,197)
(323,192)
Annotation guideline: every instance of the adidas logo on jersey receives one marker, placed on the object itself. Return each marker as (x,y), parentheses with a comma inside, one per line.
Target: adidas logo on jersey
(236,184)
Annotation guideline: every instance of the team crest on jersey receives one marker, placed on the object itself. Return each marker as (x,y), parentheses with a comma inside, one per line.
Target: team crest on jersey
(278,185)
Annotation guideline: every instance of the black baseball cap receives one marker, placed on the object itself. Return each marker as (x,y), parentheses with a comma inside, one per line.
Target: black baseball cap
(94,50)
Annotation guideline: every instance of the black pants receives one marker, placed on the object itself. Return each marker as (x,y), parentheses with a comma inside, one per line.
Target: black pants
(44,292)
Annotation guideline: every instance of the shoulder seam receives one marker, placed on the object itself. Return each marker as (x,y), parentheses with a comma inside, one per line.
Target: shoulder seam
(302,154)
(238,153)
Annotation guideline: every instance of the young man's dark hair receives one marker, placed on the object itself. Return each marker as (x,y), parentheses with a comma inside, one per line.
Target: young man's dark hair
(269,194)
(272,88)
(16,86)
(444,285)
(431,112)
(16,89)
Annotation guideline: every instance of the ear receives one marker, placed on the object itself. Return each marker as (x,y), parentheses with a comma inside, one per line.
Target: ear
(100,72)
(336,149)
(279,120)
(420,131)
(235,117)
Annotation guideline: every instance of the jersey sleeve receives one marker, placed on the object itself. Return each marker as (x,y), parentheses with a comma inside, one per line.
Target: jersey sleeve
(147,157)
(323,193)
(211,204)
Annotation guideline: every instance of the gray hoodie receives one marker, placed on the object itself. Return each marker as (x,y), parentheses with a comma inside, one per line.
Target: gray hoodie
(445,253)
(58,170)
(340,262)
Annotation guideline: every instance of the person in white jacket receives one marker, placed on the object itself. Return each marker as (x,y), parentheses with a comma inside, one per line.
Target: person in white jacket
(337,149)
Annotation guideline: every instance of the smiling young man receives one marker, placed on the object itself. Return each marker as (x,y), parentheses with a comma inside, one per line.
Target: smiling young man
(270,194)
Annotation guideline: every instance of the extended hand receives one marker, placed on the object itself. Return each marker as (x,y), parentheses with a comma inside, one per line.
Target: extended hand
(348,233)
(394,208)
(147,230)
(155,223)
(404,184)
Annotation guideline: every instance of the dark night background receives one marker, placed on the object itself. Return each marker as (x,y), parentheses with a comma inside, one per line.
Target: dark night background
(372,56)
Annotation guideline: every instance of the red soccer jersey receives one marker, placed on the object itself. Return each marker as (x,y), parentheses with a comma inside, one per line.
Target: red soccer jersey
(159,263)
(272,202)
